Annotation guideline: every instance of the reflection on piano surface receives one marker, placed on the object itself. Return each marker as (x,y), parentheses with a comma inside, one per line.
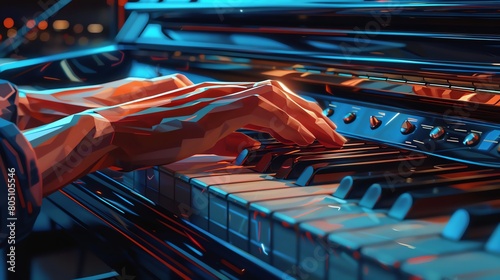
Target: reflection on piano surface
(414,194)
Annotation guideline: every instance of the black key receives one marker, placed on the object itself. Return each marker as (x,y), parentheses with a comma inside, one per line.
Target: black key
(334,173)
(355,186)
(443,200)
(251,156)
(473,222)
(383,195)
(272,162)
(493,244)
(293,167)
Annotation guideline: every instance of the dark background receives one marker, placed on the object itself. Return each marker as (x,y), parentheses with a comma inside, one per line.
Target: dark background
(44,39)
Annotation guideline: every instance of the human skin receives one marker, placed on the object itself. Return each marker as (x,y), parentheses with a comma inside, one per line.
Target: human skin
(138,123)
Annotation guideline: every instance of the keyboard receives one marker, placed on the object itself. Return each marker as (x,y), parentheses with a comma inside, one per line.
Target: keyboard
(365,211)
(414,194)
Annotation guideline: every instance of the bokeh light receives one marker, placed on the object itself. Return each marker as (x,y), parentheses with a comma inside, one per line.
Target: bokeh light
(60,24)
(42,25)
(95,28)
(11,33)
(8,22)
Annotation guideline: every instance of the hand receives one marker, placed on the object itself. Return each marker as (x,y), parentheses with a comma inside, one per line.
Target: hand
(195,119)
(171,121)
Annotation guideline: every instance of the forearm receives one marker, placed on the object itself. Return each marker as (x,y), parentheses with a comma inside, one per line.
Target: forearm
(36,109)
(70,148)
(42,107)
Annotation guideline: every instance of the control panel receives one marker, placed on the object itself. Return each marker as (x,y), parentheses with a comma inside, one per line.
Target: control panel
(443,135)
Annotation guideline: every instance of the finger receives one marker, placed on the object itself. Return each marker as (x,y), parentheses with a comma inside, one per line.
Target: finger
(225,115)
(308,105)
(258,112)
(317,126)
(188,94)
(233,144)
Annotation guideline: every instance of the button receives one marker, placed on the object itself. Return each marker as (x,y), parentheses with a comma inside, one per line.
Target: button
(374,122)
(328,112)
(407,127)
(350,117)
(471,139)
(437,132)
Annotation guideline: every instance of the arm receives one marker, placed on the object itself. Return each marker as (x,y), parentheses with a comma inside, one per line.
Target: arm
(42,107)
(170,126)
(70,148)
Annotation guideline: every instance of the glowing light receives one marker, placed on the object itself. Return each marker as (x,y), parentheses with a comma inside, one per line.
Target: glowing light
(0,37)
(78,28)
(8,22)
(11,33)
(335,207)
(95,28)
(30,23)
(69,72)
(406,245)
(44,37)
(42,25)
(60,24)
(263,249)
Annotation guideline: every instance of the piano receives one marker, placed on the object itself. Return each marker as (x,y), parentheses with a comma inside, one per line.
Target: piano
(414,193)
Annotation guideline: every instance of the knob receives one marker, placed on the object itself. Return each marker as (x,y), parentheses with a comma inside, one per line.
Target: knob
(407,127)
(471,139)
(437,132)
(374,122)
(328,112)
(350,117)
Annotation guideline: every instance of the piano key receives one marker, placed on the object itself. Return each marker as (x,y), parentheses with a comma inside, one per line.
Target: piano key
(199,163)
(383,261)
(200,198)
(284,251)
(261,223)
(471,264)
(251,156)
(477,221)
(272,162)
(293,167)
(321,174)
(383,195)
(354,186)
(493,244)
(239,213)
(416,204)
(217,210)
(313,247)
(221,175)
(345,247)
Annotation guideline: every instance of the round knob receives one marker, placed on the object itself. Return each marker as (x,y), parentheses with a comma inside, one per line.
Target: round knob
(407,127)
(328,112)
(437,132)
(350,117)
(374,122)
(471,139)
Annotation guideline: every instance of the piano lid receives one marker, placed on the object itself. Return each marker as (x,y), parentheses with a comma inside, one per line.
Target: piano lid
(444,44)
